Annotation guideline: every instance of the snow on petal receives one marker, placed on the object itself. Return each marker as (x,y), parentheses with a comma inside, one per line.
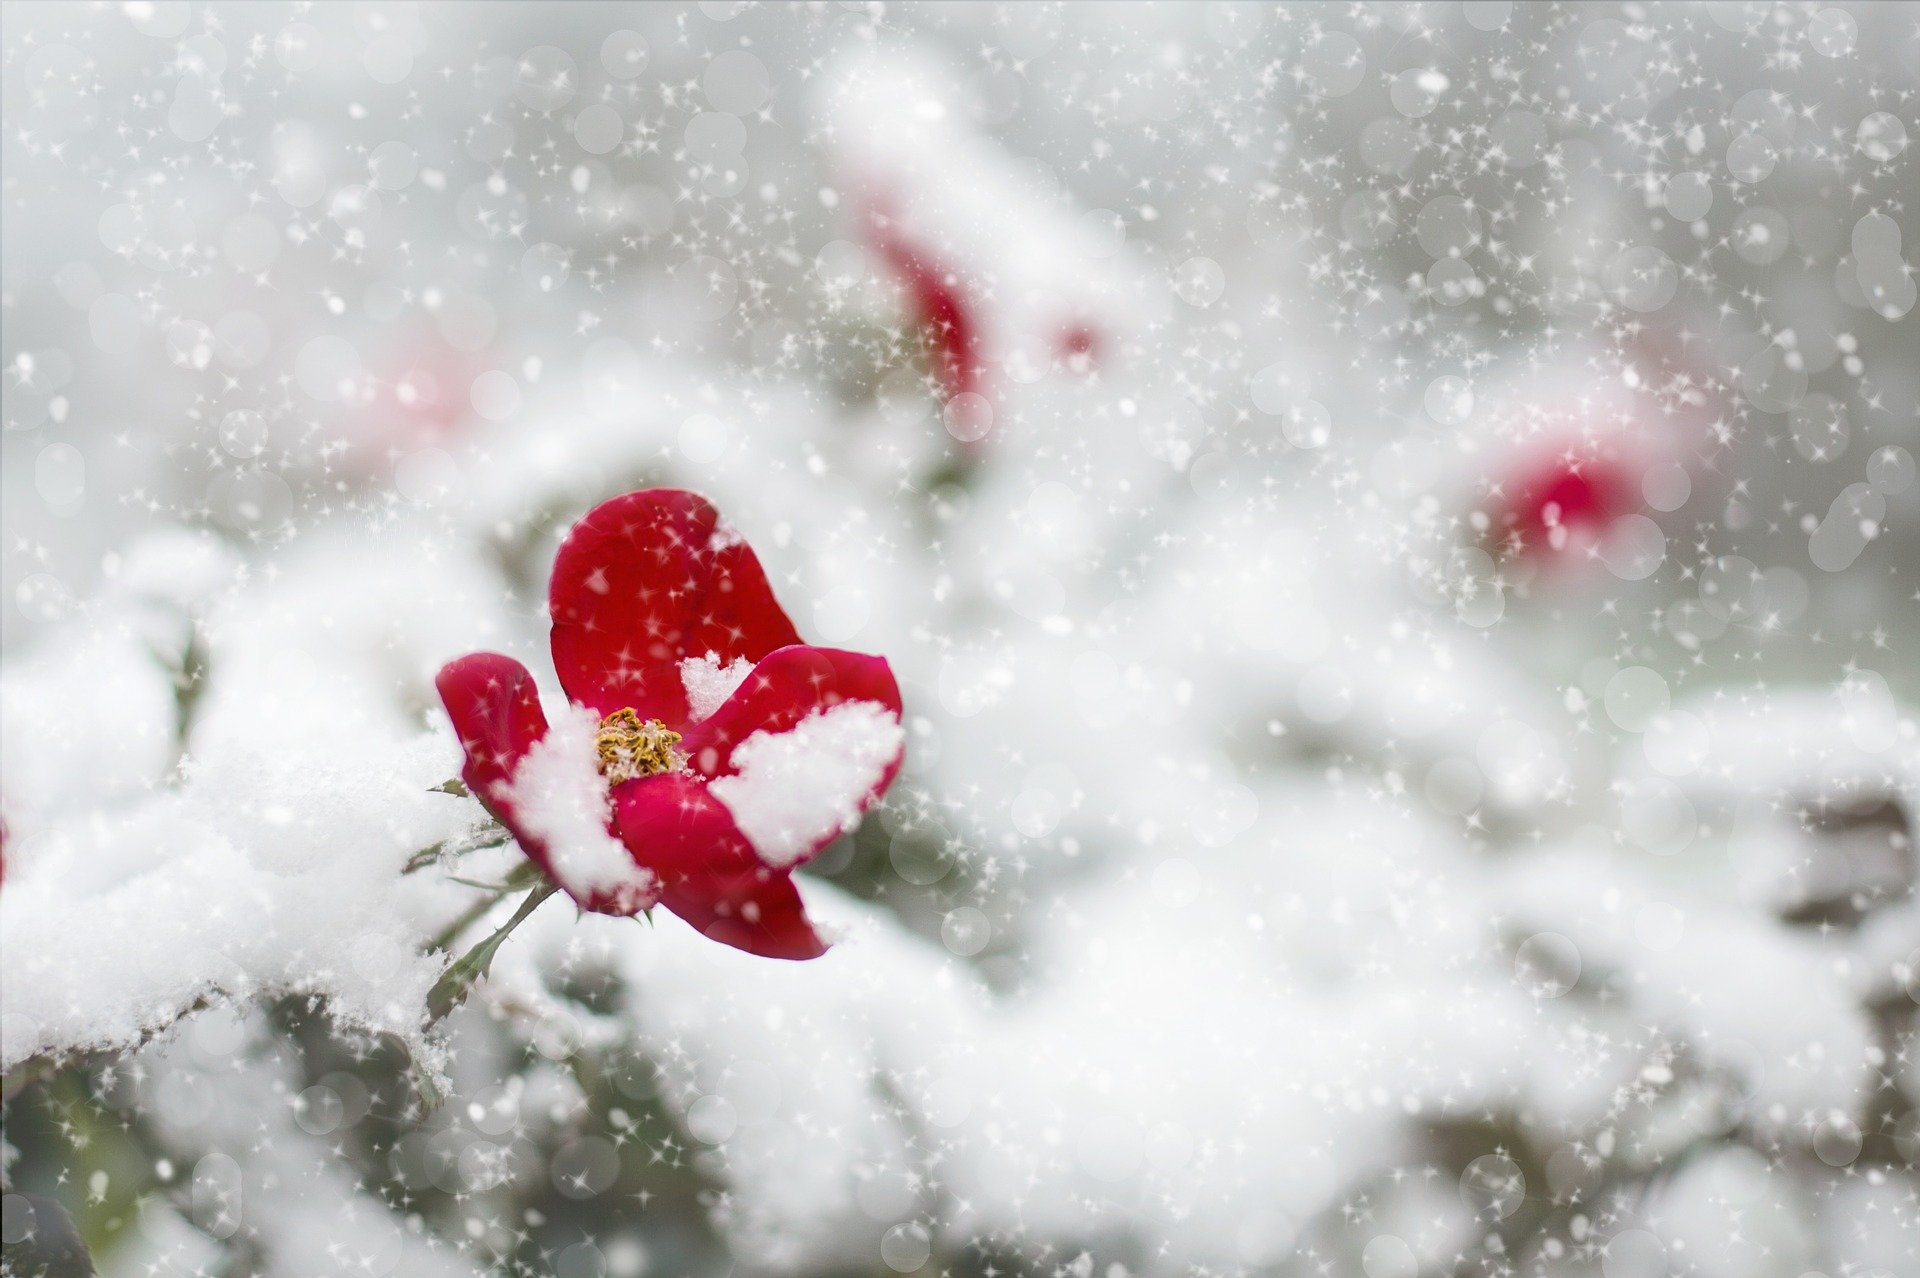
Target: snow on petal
(795,790)
(559,796)
(709,683)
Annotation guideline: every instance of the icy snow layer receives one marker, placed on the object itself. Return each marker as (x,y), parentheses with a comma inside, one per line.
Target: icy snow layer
(85,718)
(273,874)
(1816,792)
(1719,980)
(89,713)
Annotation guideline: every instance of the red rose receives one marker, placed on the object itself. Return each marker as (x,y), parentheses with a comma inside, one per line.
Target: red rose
(707,752)
(1553,499)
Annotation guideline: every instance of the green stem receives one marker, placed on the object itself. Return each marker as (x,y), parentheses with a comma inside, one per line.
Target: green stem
(468,917)
(454,984)
(525,875)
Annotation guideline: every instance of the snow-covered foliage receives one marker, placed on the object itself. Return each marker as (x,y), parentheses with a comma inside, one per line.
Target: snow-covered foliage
(1382,541)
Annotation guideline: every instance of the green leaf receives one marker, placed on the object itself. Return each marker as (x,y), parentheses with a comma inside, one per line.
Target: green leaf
(460,977)
(428,1092)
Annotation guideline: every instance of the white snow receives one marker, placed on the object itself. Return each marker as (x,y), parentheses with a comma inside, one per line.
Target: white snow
(86,718)
(1715,978)
(1026,264)
(709,684)
(262,875)
(561,798)
(794,788)
(271,862)
(1260,814)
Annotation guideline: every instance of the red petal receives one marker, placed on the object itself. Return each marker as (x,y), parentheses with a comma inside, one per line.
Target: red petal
(709,875)
(495,709)
(643,582)
(1578,494)
(783,689)
(941,311)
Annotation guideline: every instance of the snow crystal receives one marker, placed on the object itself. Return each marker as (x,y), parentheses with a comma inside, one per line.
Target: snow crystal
(795,788)
(709,684)
(561,798)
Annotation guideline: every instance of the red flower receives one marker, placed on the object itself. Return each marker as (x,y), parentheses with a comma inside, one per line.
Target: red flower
(707,752)
(1555,498)
(939,307)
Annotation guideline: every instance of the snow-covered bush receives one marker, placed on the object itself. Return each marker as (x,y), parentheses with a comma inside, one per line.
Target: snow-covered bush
(1085,639)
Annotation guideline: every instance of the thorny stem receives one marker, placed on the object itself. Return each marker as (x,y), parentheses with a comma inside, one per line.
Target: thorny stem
(490,835)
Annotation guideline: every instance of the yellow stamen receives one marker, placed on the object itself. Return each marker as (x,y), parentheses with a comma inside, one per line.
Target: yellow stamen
(630,747)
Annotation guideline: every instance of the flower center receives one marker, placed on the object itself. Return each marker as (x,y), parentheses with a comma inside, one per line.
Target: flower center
(631,747)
